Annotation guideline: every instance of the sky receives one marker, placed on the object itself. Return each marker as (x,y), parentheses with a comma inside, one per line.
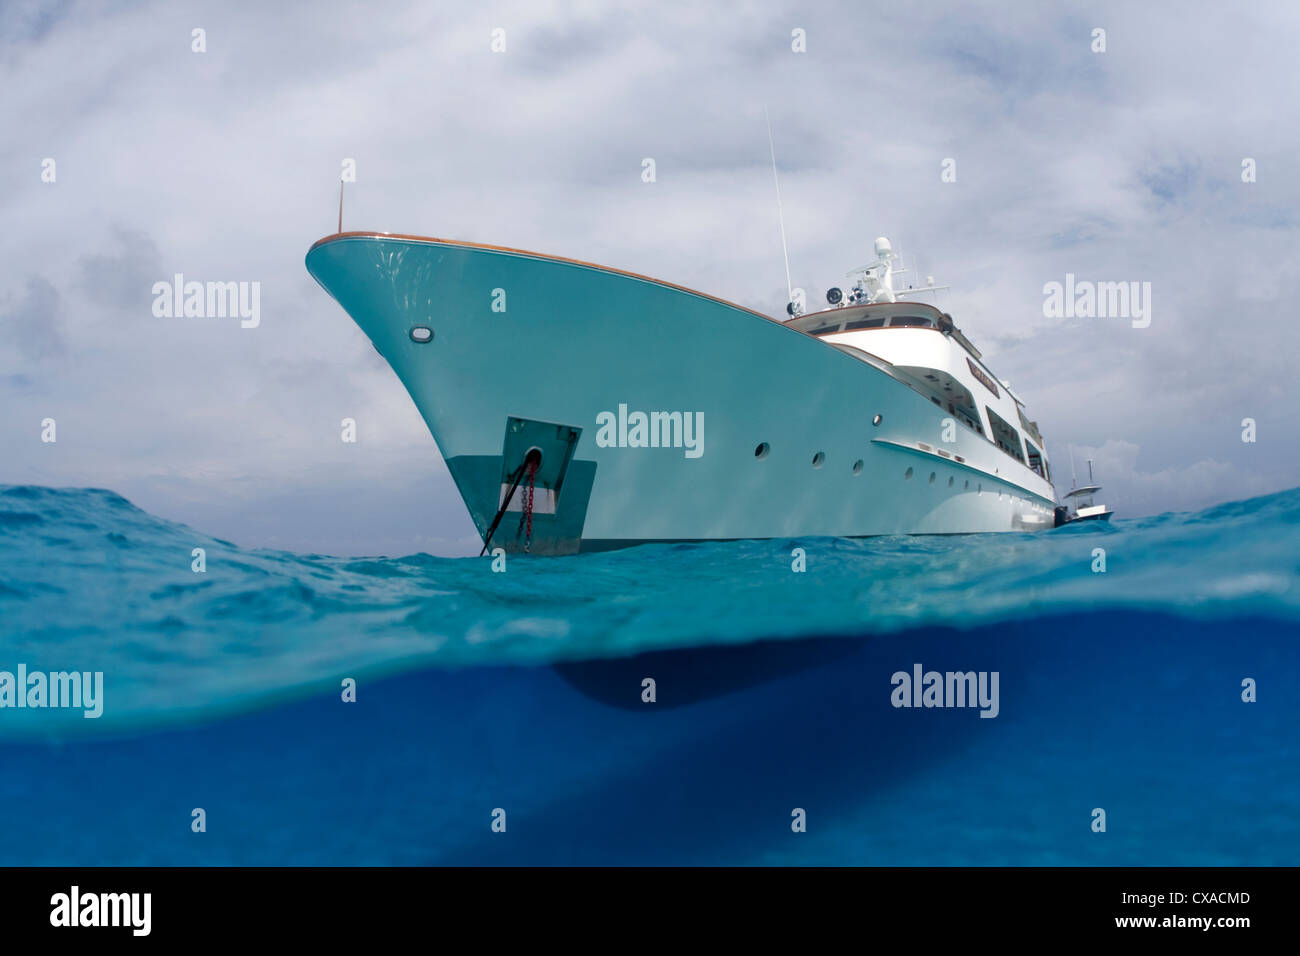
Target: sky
(1117,165)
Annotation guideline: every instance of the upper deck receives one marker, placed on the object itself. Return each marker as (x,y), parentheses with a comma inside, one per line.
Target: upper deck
(912,315)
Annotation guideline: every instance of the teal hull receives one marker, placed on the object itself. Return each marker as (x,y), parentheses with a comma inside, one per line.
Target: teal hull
(574,341)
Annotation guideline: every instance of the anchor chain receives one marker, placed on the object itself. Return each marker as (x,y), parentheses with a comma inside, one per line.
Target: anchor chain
(531,464)
(526,515)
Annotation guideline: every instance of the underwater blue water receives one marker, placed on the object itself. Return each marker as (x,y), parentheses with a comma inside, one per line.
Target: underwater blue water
(476,690)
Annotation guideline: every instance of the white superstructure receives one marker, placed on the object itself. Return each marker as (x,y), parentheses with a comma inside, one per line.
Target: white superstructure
(871,323)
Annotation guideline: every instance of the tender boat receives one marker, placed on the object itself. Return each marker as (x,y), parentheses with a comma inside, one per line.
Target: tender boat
(1078,501)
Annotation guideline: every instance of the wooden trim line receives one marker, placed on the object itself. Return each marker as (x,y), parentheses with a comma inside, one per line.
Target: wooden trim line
(538,255)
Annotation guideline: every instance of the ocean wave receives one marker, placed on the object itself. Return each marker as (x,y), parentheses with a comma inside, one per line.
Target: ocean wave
(89,582)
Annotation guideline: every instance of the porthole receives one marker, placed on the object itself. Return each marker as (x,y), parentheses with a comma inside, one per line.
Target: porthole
(979,489)
(819,459)
(876,420)
(857,467)
(907,474)
(966,485)
(421,334)
(932,477)
(950,479)
(761,451)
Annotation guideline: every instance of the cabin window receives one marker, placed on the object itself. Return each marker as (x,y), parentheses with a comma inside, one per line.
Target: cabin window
(1005,436)
(1035,460)
(1031,428)
(865,324)
(823,329)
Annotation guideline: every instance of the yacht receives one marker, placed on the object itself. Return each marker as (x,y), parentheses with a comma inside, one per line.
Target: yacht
(580,407)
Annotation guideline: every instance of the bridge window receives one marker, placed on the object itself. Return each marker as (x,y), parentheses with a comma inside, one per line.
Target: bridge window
(819,323)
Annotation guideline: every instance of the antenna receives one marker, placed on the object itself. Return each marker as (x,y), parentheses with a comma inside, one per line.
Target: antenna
(1090,479)
(893,258)
(789,286)
(340,206)
(1074,481)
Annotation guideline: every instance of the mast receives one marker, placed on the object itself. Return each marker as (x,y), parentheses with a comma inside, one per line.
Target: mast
(785,252)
